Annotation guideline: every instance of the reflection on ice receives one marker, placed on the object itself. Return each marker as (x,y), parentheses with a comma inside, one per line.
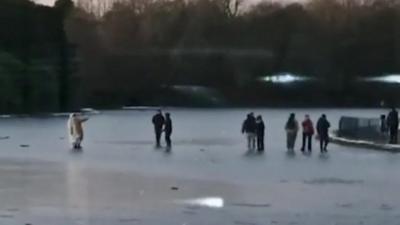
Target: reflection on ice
(210,202)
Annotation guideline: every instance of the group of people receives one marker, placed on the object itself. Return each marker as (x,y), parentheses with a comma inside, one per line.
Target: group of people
(254,129)
(162,124)
(292,128)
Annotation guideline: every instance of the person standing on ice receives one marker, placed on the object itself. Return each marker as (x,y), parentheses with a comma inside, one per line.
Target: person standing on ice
(168,129)
(291,128)
(260,133)
(323,126)
(158,122)
(249,128)
(308,132)
(75,130)
(393,124)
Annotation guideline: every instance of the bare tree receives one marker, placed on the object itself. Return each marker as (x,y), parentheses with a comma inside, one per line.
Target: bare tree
(96,7)
(231,7)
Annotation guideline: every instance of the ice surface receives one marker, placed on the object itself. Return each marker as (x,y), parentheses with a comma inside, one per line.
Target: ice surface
(119,178)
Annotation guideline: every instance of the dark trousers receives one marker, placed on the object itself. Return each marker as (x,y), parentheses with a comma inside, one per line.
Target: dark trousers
(168,139)
(158,136)
(393,135)
(260,142)
(323,141)
(307,138)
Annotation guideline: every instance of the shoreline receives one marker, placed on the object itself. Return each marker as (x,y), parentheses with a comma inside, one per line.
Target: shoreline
(364,144)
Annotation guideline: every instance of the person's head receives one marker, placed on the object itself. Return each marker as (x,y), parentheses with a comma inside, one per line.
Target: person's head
(307,117)
(159,111)
(167,115)
(259,117)
(393,108)
(323,116)
(251,114)
(292,117)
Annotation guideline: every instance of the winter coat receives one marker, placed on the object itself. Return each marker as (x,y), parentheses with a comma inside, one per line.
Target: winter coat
(308,127)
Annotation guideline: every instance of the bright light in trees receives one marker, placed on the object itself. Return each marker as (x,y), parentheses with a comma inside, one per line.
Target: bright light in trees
(283,78)
(393,79)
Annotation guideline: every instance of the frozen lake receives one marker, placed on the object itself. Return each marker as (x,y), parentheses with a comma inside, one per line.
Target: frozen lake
(120,178)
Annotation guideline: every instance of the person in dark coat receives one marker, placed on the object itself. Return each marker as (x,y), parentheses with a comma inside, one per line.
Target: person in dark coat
(308,132)
(260,130)
(393,124)
(323,126)
(168,129)
(291,128)
(158,122)
(249,128)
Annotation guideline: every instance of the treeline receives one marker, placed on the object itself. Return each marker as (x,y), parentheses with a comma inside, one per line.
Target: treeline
(131,52)
(132,48)
(34,57)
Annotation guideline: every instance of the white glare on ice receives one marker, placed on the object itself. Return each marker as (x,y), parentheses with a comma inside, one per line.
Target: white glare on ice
(210,202)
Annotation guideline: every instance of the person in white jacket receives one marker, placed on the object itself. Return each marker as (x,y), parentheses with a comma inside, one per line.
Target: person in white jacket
(75,130)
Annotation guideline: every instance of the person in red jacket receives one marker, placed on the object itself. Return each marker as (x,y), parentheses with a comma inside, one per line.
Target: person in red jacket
(308,132)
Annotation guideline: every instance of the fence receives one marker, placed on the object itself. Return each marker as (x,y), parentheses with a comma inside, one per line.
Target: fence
(361,128)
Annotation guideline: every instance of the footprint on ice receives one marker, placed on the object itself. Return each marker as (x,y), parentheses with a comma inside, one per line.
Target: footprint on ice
(252,205)
(189,212)
(6,216)
(345,205)
(332,180)
(244,223)
(13,210)
(386,207)
(129,220)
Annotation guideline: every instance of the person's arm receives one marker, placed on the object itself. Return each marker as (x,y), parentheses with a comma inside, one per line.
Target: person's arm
(312,128)
(388,119)
(164,127)
(71,130)
(82,120)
